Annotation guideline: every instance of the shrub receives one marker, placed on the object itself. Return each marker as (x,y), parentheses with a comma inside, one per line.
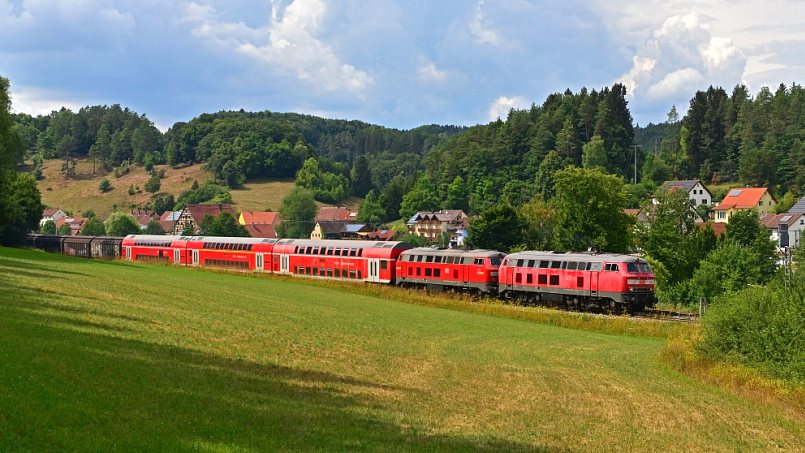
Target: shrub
(760,327)
(104,185)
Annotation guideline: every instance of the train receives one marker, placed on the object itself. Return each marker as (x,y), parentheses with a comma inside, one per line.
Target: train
(577,281)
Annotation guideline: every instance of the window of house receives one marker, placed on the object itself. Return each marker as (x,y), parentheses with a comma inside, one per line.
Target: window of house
(704,201)
(760,203)
(721,214)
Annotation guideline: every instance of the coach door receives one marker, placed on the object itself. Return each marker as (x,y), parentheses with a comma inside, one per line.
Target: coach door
(177,256)
(195,257)
(284,264)
(258,262)
(374,270)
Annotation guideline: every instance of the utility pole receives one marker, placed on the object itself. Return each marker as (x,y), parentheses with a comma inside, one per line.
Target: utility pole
(635,163)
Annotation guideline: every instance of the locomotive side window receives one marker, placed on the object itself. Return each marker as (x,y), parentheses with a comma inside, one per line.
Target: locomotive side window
(554,279)
(520,263)
(530,264)
(542,279)
(544,264)
(427,272)
(611,267)
(571,265)
(529,278)
(556,264)
(437,272)
(429,259)
(480,261)
(595,267)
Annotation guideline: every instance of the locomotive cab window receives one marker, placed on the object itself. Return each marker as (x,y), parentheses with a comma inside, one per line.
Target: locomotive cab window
(495,261)
(632,268)
(479,261)
(611,267)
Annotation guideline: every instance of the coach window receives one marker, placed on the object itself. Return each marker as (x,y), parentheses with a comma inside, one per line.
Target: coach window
(315,250)
(353,252)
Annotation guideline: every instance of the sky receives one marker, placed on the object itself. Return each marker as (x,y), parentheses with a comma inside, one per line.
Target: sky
(397,63)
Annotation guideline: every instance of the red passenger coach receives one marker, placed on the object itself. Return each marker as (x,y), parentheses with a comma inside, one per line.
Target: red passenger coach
(145,247)
(578,280)
(230,252)
(441,269)
(347,260)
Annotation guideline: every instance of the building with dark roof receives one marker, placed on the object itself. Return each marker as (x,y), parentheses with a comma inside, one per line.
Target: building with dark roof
(695,189)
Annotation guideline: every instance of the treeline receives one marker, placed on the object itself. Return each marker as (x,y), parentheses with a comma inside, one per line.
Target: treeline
(110,135)
(756,141)
(332,158)
(515,159)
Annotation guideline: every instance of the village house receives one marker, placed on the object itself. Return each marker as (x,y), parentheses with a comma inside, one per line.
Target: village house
(260,224)
(192,215)
(339,230)
(168,220)
(51,214)
(144,216)
(75,223)
(743,199)
(335,214)
(432,225)
(697,192)
(785,229)
(799,207)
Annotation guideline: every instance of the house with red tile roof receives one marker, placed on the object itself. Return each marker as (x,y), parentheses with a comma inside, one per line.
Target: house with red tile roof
(335,214)
(53,214)
(143,216)
(742,199)
(261,230)
(75,223)
(258,218)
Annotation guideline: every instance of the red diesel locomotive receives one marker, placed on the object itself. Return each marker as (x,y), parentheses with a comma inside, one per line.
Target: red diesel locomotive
(578,280)
(463,270)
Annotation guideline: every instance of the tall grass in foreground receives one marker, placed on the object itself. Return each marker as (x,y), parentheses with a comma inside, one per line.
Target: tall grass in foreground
(619,325)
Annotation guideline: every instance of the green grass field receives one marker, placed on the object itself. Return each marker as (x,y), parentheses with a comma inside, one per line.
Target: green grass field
(101,355)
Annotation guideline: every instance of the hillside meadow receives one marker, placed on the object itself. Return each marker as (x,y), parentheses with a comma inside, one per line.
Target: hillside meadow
(80,192)
(110,355)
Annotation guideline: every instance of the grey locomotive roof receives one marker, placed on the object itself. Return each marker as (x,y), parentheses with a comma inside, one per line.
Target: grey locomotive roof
(580,256)
(341,243)
(427,251)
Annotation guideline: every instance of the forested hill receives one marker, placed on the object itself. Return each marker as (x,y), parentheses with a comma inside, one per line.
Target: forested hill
(725,138)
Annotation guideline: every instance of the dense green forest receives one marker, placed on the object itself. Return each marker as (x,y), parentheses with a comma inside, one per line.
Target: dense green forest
(740,138)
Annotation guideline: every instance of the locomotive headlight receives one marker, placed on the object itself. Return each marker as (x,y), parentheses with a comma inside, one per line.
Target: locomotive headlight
(633,281)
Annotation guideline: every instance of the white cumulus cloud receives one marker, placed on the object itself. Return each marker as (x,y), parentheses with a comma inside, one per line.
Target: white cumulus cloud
(500,107)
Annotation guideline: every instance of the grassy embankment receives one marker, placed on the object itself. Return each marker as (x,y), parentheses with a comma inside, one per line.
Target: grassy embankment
(112,355)
(81,192)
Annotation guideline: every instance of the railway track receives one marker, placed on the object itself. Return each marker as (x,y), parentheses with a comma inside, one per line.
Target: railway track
(667,315)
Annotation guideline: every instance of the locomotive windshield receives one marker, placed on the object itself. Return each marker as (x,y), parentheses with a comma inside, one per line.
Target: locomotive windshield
(495,261)
(632,268)
(644,267)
